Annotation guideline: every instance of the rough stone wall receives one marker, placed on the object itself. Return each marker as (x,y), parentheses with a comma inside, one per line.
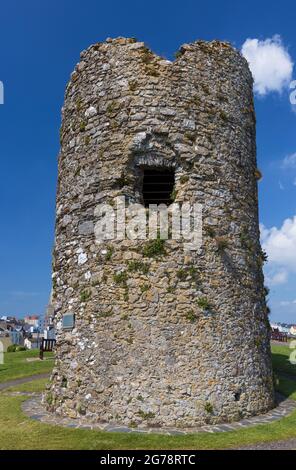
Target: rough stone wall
(145,349)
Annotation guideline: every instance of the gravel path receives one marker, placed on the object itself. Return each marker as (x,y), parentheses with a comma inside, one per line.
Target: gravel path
(15,382)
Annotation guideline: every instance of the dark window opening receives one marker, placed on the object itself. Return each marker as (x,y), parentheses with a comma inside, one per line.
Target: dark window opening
(158,186)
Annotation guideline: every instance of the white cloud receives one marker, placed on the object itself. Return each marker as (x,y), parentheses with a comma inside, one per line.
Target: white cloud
(287,303)
(289,161)
(280,246)
(270,64)
(20,293)
(278,278)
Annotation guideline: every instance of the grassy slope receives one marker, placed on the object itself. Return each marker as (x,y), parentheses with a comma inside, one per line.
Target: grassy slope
(15,365)
(280,360)
(19,432)
(34,386)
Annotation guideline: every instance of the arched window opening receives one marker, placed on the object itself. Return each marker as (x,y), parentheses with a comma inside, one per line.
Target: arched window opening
(158,186)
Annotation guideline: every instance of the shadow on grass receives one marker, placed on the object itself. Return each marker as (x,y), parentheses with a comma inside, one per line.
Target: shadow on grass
(282,364)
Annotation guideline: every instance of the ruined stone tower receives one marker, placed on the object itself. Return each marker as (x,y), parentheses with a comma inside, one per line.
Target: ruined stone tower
(149,333)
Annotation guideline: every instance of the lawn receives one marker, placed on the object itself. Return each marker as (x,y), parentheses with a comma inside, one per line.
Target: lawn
(16,365)
(19,432)
(280,359)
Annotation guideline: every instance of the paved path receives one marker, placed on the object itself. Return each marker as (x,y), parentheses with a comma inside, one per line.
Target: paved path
(15,382)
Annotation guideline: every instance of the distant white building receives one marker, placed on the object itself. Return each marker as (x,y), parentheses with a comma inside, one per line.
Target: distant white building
(293,330)
(32,320)
(284,329)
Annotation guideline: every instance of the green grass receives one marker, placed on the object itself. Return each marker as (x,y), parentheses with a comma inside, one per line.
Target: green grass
(287,387)
(280,360)
(34,386)
(19,432)
(16,366)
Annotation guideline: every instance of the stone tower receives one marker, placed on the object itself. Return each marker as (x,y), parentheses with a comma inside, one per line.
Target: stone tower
(148,332)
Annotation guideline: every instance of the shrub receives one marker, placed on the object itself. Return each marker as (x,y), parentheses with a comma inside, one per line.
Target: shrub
(152,71)
(191,316)
(49,398)
(209,407)
(120,278)
(258,342)
(135,265)
(184,179)
(123,180)
(246,241)
(258,174)
(203,303)
(12,348)
(173,194)
(145,287)
(222,243)
(154,248)
(64,382)
(109,253)
(133,85)
(111,107)
(147,56)
(106,314)
(223,116)
(190,136)
(263,256)
(182,274)
(81,410)
(85,295)
(192,271)
(266,291)
(178,54)
(144,415)
(21,348)
(82,126)
(210,231)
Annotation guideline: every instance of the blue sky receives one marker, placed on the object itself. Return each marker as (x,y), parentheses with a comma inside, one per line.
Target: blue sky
(40,43)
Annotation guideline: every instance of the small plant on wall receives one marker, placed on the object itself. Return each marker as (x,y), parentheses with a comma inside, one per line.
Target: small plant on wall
(154,248)
(85,295)
(222,243)
(203,303)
